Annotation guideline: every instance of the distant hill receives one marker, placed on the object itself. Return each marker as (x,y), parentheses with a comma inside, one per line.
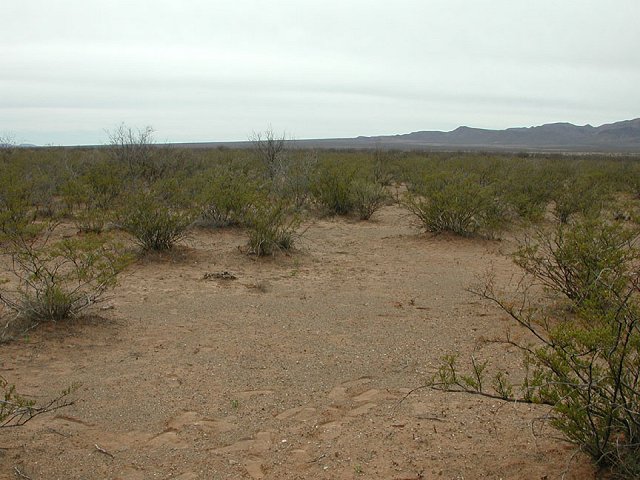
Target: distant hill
(553,137)
(619,136)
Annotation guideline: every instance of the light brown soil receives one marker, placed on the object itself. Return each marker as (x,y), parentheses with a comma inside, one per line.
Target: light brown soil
(297,369)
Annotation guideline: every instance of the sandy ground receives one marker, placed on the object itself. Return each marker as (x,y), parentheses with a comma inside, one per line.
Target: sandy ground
(297,369)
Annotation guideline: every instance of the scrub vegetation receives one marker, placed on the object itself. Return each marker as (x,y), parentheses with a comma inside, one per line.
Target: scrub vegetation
(72,219)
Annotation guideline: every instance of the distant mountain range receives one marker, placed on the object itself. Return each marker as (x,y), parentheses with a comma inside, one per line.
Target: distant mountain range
(614,137)
(553,137)
(619,136)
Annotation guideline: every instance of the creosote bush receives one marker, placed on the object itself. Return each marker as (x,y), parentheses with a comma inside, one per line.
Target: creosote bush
(225,198)
(331,187)
(90,197)
(272,227)
(17,205)
(271,151)
(367,197)
(134,150)
(154,223)
(579,195)
(287,172)
(294,185)
(53,281)
(16,410)
(526,189)
(581,258)
(456,203)
(583,362)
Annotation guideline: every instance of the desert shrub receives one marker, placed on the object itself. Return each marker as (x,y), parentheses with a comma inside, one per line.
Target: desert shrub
(153,222)
(55,281)
(16,410)
(91,196)
(580,259)
(46,180)
(579,194)
(225,198)
(367,197)
(586,368)
(16,201)
(412,170)
(105,182)
(382,168)
(74,193)
(583,362)
(526,189)
(629,180)
(331,186)
(528,203)
(457,203)
(29,186)
(294,186)
(88,217)
(7,144)
(134,150)
(271,151)
(271,227)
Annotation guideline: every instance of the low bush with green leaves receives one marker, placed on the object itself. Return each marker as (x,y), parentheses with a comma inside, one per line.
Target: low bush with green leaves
(367,197)
(458,203)
(53,281)
(332,186)
(92,195)
(153,222)
(84,206)
(584,195)
(581,258)
(225,197)
(294,185)
(526,188)
(16,410)
(272,227)
(17,208)
(582,362)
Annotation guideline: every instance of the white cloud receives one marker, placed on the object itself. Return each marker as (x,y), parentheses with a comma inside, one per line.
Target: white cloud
(203,70)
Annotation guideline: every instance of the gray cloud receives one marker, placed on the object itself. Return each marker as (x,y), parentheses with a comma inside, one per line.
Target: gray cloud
(202,70)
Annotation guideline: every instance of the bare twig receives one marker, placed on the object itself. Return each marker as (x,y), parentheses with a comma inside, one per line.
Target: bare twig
(408,394)
(20,474)
(16,411)
(102,450)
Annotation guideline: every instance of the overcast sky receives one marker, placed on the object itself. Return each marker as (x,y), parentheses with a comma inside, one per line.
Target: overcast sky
(216,70)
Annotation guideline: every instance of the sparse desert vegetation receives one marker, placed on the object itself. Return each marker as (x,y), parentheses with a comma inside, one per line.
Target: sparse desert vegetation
(275,313)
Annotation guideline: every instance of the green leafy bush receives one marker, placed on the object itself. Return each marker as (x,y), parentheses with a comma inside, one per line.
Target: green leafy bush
(367,197)
(226,196)
(331,186)
(381,169)
(581,259)
(16,410)
(583,362)
(457,203)
(92,195)
(152,221)
(294,186)
(527,188)
(579,194)
(55,281)
(272,228)
(16,201)
(586,366)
